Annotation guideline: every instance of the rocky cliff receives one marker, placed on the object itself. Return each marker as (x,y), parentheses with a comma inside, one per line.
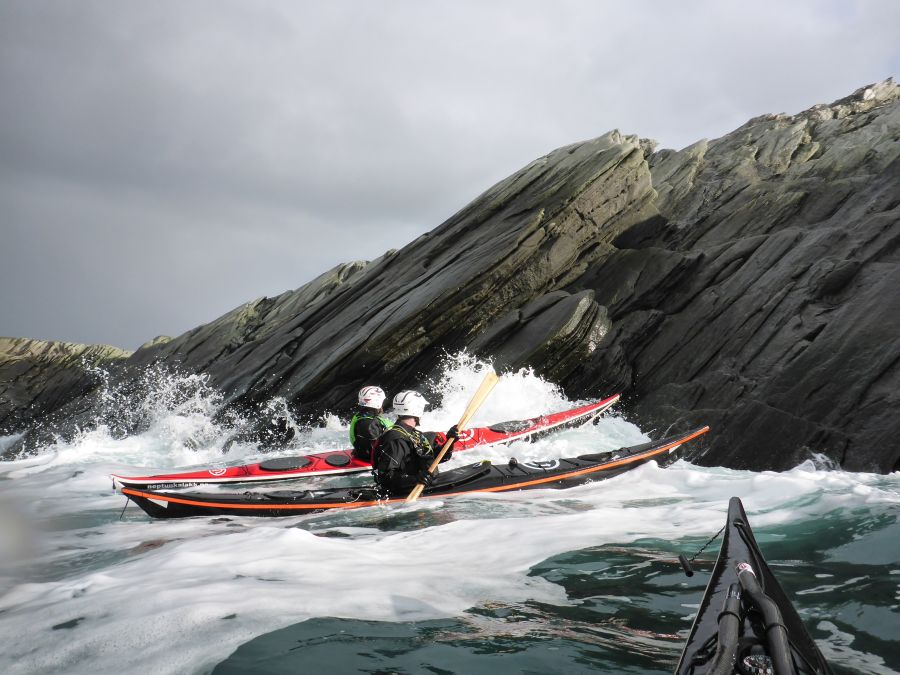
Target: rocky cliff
(37,377)
(748,282)
(764,299)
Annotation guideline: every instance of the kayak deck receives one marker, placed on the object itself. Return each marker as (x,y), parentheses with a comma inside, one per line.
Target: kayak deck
(745,619)
(474,478)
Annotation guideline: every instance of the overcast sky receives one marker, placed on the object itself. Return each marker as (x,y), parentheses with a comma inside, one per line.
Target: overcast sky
(164,162)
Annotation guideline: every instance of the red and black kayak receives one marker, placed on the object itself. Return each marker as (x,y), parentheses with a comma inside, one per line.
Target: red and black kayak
(481,477)
(343,461)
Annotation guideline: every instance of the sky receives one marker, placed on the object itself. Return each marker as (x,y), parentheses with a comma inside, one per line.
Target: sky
(162,163)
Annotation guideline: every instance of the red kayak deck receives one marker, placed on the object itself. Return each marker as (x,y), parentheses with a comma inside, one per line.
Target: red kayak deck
(343,461)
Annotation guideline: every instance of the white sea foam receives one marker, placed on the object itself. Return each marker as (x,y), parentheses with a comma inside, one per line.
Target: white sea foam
(179,596)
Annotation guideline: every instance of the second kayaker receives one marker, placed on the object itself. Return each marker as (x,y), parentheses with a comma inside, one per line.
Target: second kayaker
(368,423)
(403,453)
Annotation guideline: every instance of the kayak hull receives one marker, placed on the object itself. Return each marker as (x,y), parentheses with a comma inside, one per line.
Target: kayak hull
(475,478)
(711,634)
(343,462)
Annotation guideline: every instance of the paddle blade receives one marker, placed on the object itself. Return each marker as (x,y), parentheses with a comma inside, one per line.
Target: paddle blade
(487,384)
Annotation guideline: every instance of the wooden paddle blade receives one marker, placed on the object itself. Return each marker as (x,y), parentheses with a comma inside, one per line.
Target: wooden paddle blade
(487,384)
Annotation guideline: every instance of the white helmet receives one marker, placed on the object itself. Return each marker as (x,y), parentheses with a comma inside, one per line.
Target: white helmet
(371,397)
(409,404)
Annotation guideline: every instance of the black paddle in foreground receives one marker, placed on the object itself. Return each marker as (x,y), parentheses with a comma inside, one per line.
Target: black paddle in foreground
(746,624)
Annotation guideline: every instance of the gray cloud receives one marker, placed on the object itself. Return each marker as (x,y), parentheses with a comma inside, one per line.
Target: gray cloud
(161,163)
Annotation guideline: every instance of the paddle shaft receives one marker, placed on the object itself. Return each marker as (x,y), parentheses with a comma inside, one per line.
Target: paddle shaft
(489,382)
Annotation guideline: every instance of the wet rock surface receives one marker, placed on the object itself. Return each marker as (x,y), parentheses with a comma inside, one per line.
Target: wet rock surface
(784,334)
(748,282)
(38,377)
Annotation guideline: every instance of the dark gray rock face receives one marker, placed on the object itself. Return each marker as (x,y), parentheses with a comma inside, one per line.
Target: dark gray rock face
(390,321)
(766,299)
(748,282)
(37,377)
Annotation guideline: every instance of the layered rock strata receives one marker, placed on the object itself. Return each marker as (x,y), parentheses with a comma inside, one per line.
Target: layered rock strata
(748,282)
(764,299)
(38,377)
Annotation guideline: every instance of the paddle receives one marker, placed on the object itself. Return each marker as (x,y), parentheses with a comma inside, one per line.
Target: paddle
(490,380)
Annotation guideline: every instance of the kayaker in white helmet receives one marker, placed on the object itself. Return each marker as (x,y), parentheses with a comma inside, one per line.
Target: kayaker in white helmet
(403,453)
(368,423)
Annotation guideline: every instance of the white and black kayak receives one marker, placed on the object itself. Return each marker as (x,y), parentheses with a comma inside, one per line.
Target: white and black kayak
(481,477)
(746,622)
(343,461)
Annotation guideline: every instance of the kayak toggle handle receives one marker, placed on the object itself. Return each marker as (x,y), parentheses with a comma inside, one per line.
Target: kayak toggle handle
(686,564)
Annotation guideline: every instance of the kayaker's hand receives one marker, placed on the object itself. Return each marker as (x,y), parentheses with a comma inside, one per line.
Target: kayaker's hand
(453,432)
(425,478)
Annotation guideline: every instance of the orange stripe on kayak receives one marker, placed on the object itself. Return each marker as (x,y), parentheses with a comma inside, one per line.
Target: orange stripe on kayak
(355,505)
(591,469)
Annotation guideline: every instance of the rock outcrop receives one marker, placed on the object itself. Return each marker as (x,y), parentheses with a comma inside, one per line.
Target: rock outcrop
(38,377)
(765,298)
(748,282)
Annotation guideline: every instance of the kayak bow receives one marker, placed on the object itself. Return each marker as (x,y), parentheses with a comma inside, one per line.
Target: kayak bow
(746,623)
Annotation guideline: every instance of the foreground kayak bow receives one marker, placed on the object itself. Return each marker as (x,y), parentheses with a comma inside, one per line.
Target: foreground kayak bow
(482,477)
(746,623)
(343,461)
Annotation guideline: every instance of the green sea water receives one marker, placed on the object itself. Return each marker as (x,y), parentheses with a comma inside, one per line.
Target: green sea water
(579,580)
(628,611)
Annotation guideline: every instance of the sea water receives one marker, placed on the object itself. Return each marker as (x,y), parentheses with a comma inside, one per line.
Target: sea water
(546,581)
